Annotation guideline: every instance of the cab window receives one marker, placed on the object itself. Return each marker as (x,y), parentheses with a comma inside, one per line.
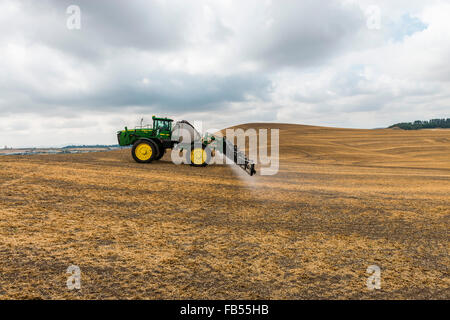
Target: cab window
(163,125)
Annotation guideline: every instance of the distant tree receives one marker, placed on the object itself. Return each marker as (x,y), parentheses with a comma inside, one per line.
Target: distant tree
(418,124)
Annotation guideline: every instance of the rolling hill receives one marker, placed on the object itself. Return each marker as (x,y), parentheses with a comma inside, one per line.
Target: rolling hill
(343,199)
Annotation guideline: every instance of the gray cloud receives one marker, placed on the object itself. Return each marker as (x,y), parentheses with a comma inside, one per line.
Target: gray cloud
(225,62)
(172,92)
(107,25)
(304,33)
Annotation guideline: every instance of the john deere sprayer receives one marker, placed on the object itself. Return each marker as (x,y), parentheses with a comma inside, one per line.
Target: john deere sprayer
(151,143)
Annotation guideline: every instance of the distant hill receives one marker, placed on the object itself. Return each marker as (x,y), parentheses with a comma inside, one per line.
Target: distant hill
(418,124)
(91,146)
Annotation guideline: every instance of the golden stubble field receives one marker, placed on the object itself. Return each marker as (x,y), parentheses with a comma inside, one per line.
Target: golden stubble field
(342,200)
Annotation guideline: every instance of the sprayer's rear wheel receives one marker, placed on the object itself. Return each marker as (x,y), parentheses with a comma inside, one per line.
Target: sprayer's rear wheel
(144,151)
(198,156)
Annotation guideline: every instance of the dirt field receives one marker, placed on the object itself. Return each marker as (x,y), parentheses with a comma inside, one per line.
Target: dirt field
(342,200)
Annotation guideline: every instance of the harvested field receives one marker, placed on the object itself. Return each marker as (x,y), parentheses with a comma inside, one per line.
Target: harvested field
(342,200)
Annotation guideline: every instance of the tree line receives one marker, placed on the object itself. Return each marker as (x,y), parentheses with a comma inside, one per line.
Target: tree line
(419,124)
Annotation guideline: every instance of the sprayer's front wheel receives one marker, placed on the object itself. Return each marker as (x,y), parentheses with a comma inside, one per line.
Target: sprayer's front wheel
(199,156)
(162,151)
(144,151)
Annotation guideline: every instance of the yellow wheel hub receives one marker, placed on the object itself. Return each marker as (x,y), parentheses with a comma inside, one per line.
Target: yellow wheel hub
(198,156)
(143,151)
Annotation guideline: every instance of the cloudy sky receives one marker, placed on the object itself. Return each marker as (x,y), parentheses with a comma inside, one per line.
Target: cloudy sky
(342,63)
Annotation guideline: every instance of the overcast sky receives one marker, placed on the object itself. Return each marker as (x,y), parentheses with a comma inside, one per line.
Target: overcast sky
(333,63)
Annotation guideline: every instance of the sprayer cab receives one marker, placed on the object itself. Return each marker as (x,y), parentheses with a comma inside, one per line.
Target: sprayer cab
(163,127)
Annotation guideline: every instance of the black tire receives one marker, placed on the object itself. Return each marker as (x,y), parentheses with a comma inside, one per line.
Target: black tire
(205,158)
(141,151)
(161,154)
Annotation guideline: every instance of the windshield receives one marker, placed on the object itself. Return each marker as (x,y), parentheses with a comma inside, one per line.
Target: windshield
(163,125)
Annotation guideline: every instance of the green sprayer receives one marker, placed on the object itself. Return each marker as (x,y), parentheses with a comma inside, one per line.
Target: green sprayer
(151,143)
